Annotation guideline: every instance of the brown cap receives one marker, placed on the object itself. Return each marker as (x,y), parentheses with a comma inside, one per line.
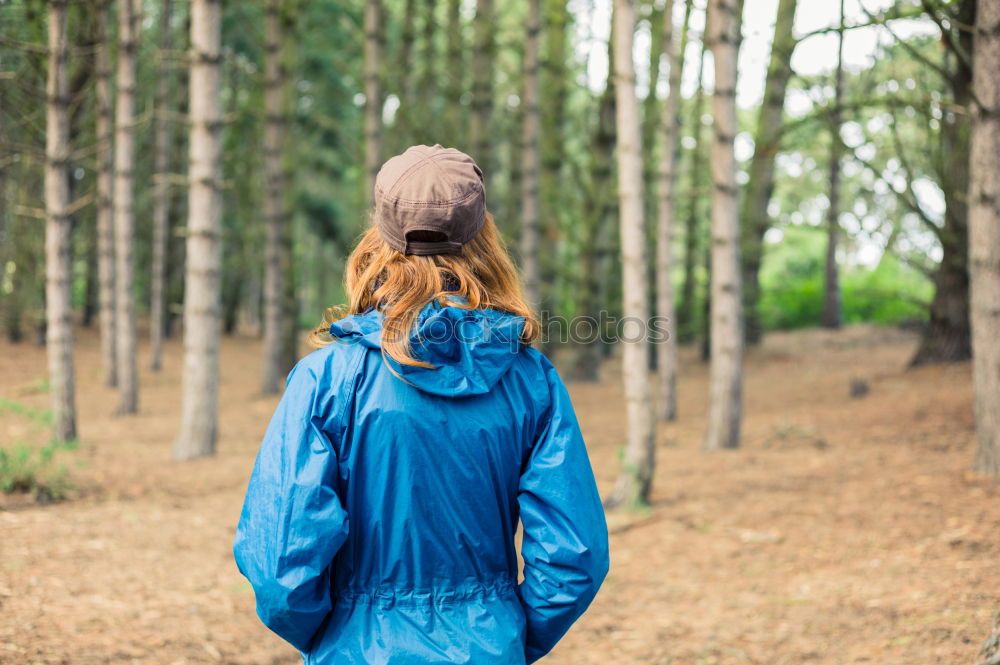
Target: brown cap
(429,200)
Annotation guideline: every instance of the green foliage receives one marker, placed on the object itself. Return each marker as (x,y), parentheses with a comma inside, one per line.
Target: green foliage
(36,470)
(891,293)
(30,468)
(42,417)
(794,305)
(896,115)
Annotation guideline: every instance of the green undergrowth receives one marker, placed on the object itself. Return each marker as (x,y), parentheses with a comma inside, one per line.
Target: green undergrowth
(890,293)
(35,465)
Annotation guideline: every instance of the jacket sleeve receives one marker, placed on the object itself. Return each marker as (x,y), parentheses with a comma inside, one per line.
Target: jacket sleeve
(565,535)
(292,523)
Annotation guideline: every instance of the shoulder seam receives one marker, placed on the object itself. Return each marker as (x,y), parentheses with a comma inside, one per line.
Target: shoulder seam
(348,380)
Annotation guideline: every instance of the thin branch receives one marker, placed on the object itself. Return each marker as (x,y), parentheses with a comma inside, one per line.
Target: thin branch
(80,203)
(913,204)
(946,35)
(178,179)
(871,24)
(908,176)
(28,211)
(29,47)
(884,22)
(822,111)
(926,271)
(23,148)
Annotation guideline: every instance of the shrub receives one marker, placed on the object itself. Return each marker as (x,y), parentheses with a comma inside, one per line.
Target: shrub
(39,470)
(792,281)
(35,470)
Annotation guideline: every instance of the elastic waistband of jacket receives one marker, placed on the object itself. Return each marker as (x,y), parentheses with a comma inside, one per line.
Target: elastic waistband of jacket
(387,596)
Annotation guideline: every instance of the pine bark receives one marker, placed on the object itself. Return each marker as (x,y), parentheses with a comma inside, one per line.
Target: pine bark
(596,235)
(373,96)
(530,159)
(984,237)
(277,254)
(428,102)
(80,83)
(90,302)
(104,117)
(706,303)
(7,302)
(176,246)
(767,142)
(129,21)
(831,317)
(405,78)
(635,482)
(686,329)
(481,120)
(669,127)
(58,248)
(455,68)
(161,195)
(652,112)
(947,337)
(726,369)
(199,408)
(554,87)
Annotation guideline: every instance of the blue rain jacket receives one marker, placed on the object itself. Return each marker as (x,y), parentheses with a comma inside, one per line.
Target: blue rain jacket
(379,522)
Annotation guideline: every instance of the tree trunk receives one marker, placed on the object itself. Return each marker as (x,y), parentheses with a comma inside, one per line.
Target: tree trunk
(105,213)
(291,299)
(767,142)
(404,78)
(948,337)
(831,317)
(706,304)
(8,300)
(427,103)
(80,83)
(90,302)
(199,408)
(652,113)
(481,125)
(588,351)
(373,97)
(726,369)
(161,195)
(231,295)
(554,79)
(176,244)
(686,330)
(129,22)
(670,123)
(58,248)
(984,237)
(277,248)
(455,69)
(530,159)
(26,292)
(636,480)
(482,86)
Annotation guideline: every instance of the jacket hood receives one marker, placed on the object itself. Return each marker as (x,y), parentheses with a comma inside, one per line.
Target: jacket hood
(471,349)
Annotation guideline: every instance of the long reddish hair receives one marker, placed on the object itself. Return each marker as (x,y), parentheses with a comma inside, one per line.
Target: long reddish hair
(400,285)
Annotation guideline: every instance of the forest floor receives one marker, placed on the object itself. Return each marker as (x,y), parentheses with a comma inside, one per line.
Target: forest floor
(844,531)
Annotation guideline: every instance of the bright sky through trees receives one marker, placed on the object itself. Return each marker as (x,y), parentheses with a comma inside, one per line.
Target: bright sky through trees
(815,55)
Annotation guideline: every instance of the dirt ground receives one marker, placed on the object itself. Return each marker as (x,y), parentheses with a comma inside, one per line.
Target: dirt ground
(844,531)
